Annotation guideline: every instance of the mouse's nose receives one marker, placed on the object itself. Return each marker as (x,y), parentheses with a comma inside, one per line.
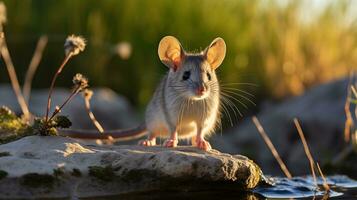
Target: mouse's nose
(200,90)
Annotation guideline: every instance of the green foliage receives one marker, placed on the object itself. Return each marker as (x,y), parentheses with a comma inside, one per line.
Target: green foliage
(50,128)
(267,42)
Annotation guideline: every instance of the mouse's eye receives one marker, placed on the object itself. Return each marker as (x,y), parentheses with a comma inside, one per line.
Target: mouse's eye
(208,76)
(186,75)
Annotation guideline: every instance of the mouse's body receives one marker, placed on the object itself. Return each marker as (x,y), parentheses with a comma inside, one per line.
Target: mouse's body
(186,102)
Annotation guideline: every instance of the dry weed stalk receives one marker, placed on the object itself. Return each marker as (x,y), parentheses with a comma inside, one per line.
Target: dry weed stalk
(271,147)
(87,95)
(354,135)
(326,186)
(354,91)
(10,66)
(14,81)
(53,83)
(349,119)
(306,149)
(80,83)
(72,46)
(31,70)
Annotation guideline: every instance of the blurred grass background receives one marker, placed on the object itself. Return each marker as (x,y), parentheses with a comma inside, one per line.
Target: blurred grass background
(283,46)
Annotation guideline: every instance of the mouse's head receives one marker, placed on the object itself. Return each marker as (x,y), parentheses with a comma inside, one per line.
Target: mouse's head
(192,74)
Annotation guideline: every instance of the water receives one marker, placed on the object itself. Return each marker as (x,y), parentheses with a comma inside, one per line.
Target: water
(303,188)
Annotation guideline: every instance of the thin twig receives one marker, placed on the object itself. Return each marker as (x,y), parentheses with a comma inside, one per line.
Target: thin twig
(326,186)
(66,59)
(14,81)
(35,61)
(271,147)
(349,119)
(353,89)
(355,94)
(92,117)
(57,110)
(306,149)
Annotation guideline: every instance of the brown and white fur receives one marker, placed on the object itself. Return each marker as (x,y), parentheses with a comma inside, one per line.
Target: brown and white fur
(186,103)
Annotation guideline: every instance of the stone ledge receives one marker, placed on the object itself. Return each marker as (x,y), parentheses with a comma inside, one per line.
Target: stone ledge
(64,167)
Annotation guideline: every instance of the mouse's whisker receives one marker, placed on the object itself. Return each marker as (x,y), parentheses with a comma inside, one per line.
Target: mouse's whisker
(237,100)
(242,83)
(242,96)
(231,105)
(238,90)
(235,107)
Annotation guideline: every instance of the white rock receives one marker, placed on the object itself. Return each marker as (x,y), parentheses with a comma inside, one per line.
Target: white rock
(128,168)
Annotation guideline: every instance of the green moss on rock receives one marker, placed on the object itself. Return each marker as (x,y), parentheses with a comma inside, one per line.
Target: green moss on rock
(11,126)
(4,154)
(58,172)
(3,174)
(102,173)
(36,180)
(76,172)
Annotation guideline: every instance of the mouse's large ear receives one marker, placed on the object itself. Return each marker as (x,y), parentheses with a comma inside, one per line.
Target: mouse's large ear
(215,52)
(171,52)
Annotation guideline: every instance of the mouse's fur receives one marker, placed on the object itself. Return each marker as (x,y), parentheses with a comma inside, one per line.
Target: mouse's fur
(186,102)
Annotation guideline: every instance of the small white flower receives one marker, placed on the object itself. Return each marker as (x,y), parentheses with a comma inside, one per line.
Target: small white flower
(74,44)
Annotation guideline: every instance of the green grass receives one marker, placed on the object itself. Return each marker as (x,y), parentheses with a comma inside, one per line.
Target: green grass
(267,43)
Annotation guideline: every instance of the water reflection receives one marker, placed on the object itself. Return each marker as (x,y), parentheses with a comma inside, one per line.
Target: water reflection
(304,187)
(342,187)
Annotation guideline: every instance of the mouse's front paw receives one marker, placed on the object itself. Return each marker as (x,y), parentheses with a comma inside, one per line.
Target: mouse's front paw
(170,143)
(203,144)
(147,142)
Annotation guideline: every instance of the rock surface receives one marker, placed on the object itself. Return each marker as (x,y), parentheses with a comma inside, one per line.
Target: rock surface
(320,112)
(63,167)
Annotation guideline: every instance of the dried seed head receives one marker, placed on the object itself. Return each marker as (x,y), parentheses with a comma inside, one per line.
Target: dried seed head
(74,44)
(87,94)
(3,17)
(80,81)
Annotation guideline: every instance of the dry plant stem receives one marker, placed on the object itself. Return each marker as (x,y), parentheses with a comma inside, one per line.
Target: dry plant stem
(66,59)
(306,149)
(327,188)
(349,119)
(92,117)
(75,91)
(271,147)
(35,61)
(14,81)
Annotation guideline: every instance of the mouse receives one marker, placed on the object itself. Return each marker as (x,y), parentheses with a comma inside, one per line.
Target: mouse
(185,104)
